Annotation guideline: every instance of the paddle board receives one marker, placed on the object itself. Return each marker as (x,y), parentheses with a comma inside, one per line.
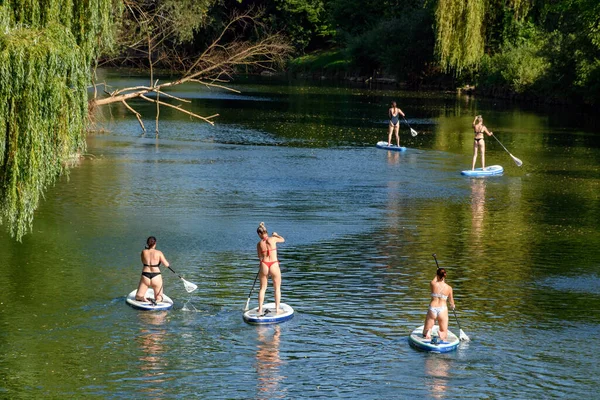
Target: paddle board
(269,316)
(385,146)
(165,304)
(417,341)
(487,171)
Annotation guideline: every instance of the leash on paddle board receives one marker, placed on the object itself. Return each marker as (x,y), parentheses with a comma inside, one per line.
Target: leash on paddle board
(462,335)
(515,159)
(251,290)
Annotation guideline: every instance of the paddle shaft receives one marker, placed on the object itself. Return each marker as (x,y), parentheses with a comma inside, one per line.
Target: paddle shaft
(435,258)
(175,273)
(251,290)
(516,160)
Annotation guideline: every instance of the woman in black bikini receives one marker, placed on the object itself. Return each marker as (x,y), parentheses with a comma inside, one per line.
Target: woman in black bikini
(269,265)
(151,278)
(479,143)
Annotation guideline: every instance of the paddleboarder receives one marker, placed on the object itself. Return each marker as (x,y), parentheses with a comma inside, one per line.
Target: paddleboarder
(394,126)
(478,143)
(151,277)
(269,265)
(440,293)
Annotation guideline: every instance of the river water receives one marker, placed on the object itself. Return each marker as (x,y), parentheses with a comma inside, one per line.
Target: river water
(522,252)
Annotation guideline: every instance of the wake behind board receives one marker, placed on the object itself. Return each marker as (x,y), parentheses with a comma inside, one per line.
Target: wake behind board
(487,171)
(417,341)
(384,145)
(269,315)
(165,304)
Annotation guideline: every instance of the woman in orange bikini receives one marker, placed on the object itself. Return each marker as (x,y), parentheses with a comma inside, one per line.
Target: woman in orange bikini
(440,292)
(151,278)
(479,129)
(269,265)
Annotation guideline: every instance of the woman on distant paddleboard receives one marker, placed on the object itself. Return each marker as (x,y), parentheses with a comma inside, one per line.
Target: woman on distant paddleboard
(479,143)
(151,277)
(394,125)
(440,292)
(269,265)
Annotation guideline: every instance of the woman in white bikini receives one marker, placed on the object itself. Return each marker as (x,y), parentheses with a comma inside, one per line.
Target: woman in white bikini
(479,129)
(269,265)
(440,292)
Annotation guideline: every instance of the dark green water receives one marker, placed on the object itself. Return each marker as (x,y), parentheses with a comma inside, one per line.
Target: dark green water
(522,251)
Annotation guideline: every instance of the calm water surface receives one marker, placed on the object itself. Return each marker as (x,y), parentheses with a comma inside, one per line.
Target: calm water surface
(522,252)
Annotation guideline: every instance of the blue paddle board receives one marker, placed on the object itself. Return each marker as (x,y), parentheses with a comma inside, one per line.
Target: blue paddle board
(385,146)
(417,341)
(487,171)
(269,316)
(165,304)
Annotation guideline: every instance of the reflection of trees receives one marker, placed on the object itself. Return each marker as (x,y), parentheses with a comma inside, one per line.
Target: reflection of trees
(268,363)
(437,369)
(152,362)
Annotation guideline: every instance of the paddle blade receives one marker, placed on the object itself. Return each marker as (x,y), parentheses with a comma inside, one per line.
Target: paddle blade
(463,336)
(189,286)
(247,305)
(413,132)
(516,160)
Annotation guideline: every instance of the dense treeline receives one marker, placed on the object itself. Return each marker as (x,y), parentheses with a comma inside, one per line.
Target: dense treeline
(544,50)
(49,49)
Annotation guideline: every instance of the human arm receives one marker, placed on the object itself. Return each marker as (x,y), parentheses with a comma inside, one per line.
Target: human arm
(163,260)
(451,299)
(401,113)
(487,132)
(278,239)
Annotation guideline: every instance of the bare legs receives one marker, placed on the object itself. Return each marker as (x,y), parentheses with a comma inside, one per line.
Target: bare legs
(155,283)
(275,273)
(478,145)
(393,129)
(442,319)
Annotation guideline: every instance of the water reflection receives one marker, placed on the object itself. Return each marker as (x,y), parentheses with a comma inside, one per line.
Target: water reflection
(268,363)
(477,212)
(437,369)
(152,363)
(393,157)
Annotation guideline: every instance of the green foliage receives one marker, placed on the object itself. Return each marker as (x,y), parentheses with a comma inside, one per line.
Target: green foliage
(326,61)
(45,53)
(460,41)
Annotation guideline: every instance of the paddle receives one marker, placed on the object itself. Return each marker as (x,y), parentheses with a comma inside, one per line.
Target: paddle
(250,294)
(189,286)
(462,335)
(515,159)
(412,131)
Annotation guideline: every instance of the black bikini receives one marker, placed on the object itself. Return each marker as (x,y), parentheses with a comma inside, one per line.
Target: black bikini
(151,275)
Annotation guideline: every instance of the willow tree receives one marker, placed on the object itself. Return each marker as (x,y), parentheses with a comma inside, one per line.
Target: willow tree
(46,49)
(460,30)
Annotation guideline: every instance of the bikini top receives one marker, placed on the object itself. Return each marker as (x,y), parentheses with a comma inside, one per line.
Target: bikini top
(439,296)
(480,132)
(268,250)
(150,265)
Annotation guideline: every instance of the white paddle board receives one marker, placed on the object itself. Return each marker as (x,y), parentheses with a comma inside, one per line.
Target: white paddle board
(269,316)
(165,304)
(487,171)
(417,341)
(384,145)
